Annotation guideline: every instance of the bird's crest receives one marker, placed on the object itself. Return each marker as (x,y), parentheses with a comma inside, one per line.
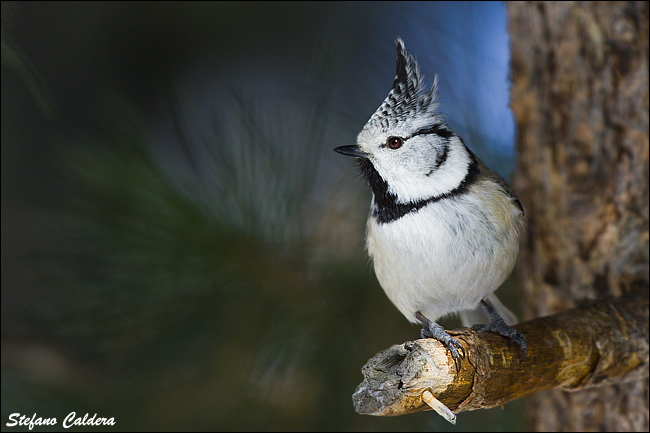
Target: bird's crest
(409,96)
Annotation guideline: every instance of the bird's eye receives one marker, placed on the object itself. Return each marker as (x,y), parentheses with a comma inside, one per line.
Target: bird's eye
(394,142)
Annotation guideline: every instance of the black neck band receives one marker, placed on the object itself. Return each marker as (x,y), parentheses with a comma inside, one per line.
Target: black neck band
(387,209)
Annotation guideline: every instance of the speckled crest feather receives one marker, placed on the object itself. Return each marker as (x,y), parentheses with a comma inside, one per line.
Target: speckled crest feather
(409,97)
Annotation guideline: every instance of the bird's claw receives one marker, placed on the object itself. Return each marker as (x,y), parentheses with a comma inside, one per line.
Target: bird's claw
(499,327)
(453,346)
(433,330)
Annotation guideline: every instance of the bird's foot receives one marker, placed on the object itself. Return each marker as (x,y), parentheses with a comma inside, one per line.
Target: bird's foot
(498,326)
(433,330)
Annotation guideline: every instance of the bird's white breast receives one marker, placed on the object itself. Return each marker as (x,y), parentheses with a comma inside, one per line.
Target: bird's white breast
(447,256)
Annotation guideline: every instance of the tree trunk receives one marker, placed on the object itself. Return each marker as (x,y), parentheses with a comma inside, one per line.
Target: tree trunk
(580,99)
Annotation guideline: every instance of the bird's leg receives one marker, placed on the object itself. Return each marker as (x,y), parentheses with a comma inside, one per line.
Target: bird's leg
(433,330)
(500,327)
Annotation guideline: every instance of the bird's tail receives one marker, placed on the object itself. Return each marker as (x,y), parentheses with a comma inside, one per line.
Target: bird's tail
(480,316)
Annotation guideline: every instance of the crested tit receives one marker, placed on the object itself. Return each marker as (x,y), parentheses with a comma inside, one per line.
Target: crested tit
(443,230)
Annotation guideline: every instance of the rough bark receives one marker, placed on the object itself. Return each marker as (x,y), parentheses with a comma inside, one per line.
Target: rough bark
(580,99)
(596,344)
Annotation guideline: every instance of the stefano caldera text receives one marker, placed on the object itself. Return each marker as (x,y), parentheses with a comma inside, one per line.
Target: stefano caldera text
(71,420)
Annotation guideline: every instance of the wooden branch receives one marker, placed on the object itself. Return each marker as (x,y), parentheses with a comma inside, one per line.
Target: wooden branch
(602,343)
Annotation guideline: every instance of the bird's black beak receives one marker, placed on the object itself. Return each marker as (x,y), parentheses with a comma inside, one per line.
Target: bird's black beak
(351,151)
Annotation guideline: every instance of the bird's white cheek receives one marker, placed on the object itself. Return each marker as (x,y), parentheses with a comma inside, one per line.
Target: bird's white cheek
(411,178)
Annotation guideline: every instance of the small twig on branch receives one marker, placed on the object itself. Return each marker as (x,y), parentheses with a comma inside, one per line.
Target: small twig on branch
(602,343)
